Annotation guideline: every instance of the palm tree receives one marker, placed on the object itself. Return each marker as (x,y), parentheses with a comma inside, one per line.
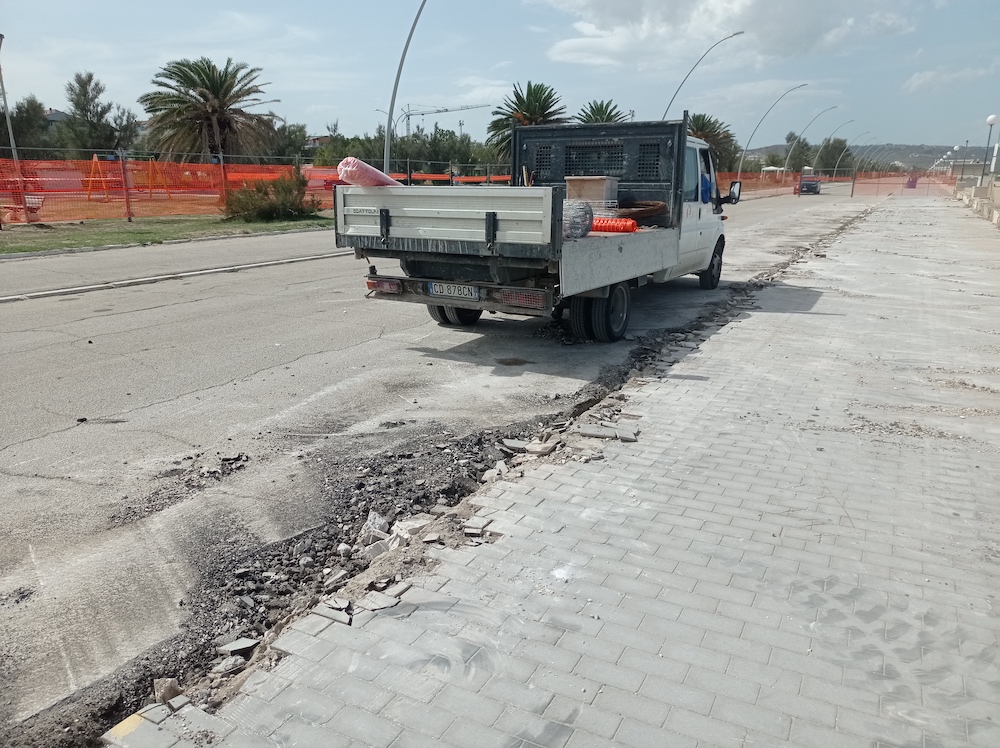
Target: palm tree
(600,111)
(201,108)
(537,104)
(719,138)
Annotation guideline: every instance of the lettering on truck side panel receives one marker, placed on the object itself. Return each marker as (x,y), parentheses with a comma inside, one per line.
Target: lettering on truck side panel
(361,211)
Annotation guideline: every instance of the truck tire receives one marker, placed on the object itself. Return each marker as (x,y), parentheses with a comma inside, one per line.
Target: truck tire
(438,314)
(579,318)
(709,278)
(464,317)
(610,316)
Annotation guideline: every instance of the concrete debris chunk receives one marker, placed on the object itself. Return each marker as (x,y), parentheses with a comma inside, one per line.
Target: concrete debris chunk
(391,543)
(397,589)
(501,467)
(518,445)
(597,432)
(477,522)
(339,616)
(375,601)
(540,448)
(336,579)
(154,713)
(178,702)
(409,528)
(165,689)
(230,665)
(241,646)
(374,529)
(337,603)
(626,436)
(432,537)
(491,476)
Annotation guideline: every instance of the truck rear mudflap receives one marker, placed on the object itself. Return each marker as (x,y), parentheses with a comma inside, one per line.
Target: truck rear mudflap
(532,302)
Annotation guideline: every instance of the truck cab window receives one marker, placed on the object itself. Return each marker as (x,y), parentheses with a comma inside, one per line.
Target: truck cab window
(707,181)
(691,175)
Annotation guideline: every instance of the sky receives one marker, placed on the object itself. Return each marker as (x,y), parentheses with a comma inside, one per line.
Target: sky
(896,71)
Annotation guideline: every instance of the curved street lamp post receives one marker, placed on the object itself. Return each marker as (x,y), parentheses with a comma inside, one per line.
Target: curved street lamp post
(799,137)
(828,140)
(739,169)
(846,148)
(737,33)
(991,120)
(395,86)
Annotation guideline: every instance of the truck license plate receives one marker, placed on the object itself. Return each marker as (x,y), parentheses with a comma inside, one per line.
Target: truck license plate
(454,291)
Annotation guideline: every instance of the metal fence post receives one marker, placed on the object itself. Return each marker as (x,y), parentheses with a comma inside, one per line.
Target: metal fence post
(128,201)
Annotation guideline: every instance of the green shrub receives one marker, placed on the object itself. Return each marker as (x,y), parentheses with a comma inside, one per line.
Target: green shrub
(277,200)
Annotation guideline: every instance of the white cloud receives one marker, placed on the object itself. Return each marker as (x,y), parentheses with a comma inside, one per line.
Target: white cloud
(661,33)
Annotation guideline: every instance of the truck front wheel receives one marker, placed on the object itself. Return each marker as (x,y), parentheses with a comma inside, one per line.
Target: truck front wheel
(709,278)
(610,316)
(464,317)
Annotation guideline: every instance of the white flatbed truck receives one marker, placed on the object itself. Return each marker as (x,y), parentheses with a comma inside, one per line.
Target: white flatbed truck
(464,250)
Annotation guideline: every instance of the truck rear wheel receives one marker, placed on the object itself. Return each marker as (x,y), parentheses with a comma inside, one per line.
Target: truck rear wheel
(464,317)
(610,316)
(709,278)
(438,314)
(579,318)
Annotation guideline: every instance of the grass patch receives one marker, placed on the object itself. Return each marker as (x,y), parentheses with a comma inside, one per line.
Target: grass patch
(39,237)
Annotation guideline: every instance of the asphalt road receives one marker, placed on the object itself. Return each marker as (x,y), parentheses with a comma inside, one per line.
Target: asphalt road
(112,397)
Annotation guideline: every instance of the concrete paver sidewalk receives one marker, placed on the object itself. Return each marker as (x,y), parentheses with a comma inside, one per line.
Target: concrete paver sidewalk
(800,549)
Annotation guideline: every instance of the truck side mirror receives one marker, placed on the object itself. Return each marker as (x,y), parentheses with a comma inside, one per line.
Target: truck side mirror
(734,193)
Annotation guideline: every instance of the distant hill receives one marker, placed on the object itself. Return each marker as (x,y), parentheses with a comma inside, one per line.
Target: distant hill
(912,157)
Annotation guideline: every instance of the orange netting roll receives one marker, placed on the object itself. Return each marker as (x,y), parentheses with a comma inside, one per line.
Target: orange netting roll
(615,225)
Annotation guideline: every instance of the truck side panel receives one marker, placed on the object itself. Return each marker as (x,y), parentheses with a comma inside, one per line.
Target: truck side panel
(602,259)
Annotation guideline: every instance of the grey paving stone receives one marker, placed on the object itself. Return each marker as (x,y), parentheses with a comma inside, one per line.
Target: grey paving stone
(584,718)
(359,693)
(306,703)
(364,727)
(252,715)
(632,705)
(609,674)
(468,705)
(418,716)
(636,734)
(296,732)
(525,697)
(533,728)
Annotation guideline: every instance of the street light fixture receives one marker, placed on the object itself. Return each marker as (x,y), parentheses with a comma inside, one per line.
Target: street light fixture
(737,33)
(789,156)
(395,86)
(739,170)
(823,144)
(395,123)
(991,120)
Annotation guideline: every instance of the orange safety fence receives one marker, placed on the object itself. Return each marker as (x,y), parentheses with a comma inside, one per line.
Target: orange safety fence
(58,190)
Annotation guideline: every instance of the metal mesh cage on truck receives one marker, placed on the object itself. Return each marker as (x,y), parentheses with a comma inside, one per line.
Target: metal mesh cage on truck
(646,159)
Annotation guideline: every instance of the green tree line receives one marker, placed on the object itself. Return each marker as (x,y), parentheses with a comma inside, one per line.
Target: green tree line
(200,110)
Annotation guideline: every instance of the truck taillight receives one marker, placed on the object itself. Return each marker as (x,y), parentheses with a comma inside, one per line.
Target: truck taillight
(385,285)
(523,297)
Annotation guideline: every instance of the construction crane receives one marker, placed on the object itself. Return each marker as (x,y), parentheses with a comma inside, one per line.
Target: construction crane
(420,112)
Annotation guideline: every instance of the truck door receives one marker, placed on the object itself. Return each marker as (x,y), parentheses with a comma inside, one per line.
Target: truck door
(698,226)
